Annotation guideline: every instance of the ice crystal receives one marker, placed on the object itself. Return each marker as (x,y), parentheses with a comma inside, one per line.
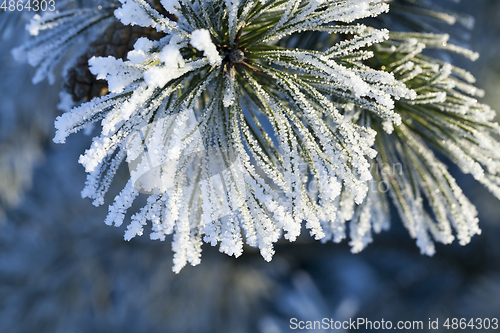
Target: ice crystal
(239,129)
(63,29)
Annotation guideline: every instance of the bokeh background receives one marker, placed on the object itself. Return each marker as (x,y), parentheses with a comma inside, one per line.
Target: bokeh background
(63,270)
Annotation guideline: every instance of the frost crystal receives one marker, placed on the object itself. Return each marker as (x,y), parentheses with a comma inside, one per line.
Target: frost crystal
(240,130)
(62,30)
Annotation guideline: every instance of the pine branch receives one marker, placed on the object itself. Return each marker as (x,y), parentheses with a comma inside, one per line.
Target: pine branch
(250,118)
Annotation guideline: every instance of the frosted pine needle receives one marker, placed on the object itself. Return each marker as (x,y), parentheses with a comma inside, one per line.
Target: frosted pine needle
(239,128)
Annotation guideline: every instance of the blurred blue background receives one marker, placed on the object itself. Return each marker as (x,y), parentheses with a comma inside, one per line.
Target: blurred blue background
(63,270)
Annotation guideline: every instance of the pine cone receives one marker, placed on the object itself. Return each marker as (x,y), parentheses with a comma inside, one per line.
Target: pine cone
(116,41)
